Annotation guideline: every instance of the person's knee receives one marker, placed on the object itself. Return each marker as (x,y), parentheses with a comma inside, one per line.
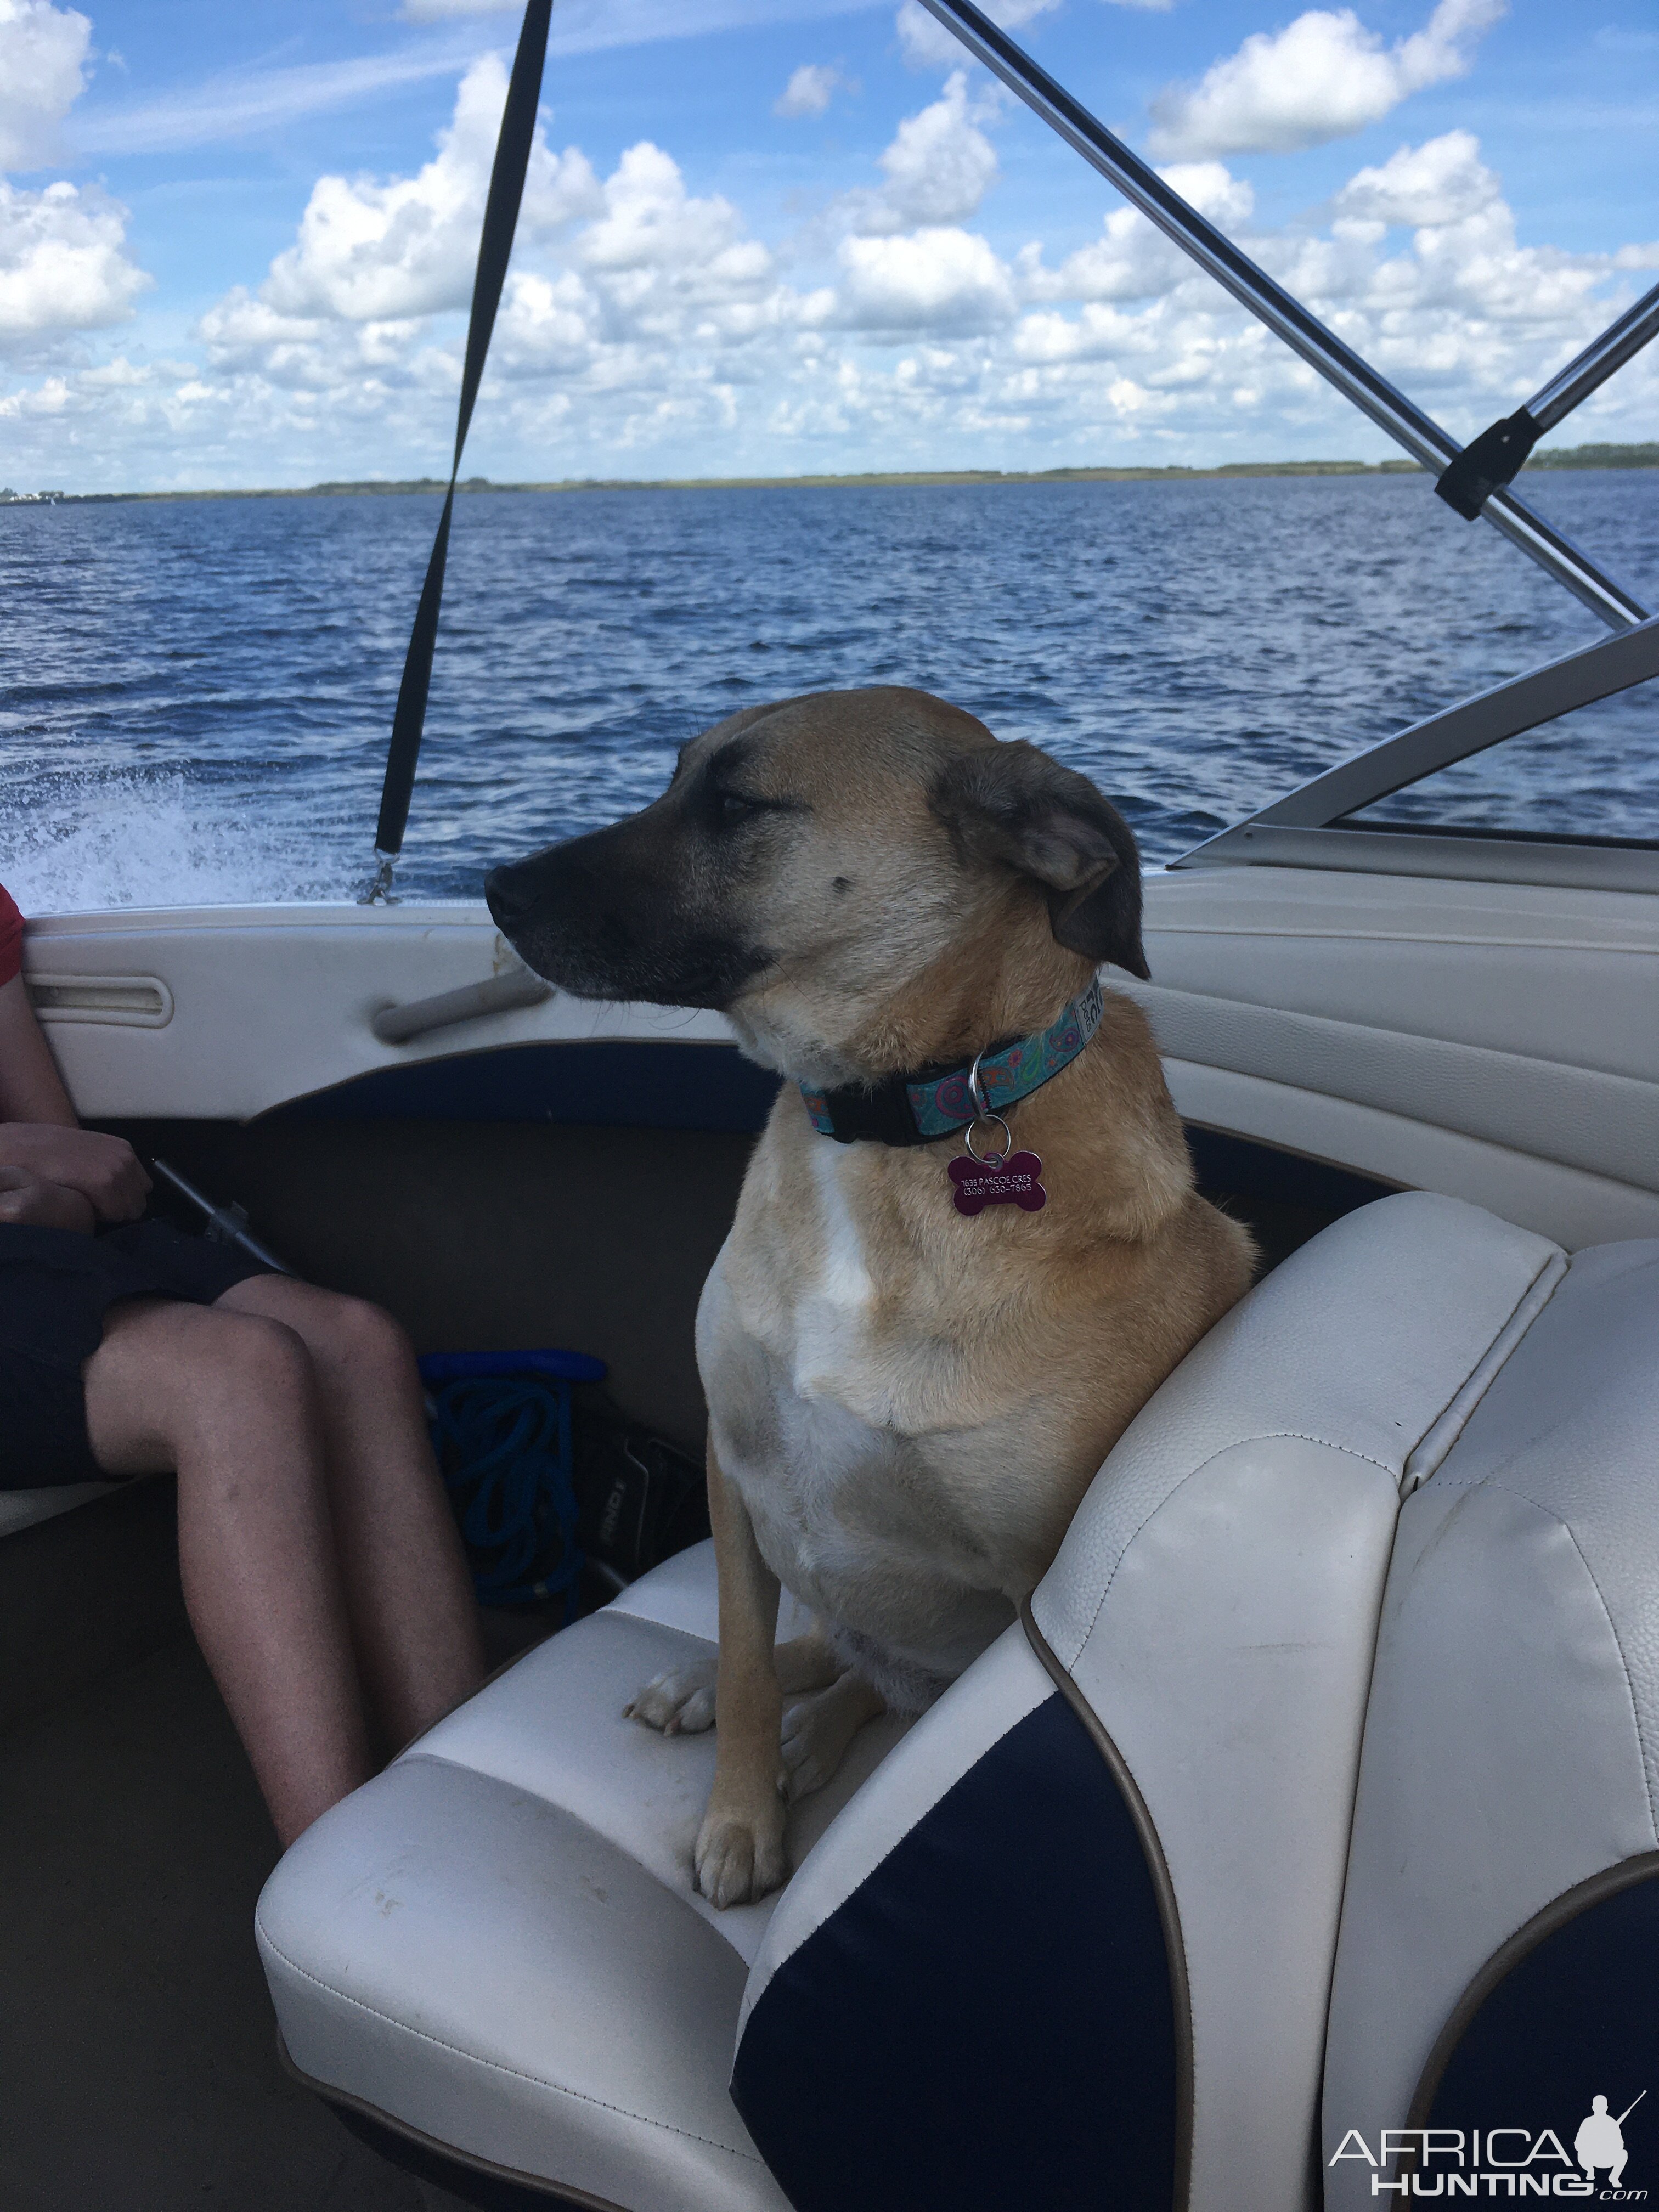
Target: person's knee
(246,1361)
(170,1376)
(365,1339)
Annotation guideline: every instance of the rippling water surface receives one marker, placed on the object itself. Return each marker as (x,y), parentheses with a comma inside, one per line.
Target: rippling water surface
(194,696)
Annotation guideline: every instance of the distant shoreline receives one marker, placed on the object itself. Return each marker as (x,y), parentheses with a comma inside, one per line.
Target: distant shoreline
(1570,457)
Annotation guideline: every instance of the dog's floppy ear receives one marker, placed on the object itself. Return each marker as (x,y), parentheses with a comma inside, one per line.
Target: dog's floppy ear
(1011,803)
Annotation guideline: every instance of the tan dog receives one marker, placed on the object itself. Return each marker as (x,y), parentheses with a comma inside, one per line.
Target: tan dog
(906,1405)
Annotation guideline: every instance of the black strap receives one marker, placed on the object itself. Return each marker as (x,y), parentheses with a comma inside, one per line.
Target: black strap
(501,219)
(881,1113)
(878,1113)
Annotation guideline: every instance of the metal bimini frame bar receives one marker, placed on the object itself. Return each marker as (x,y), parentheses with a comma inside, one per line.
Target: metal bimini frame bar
(1616,345)
(1492,460)
(1431,446)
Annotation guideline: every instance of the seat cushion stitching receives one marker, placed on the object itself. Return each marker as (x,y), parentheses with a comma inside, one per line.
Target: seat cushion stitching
(474,2058)
(1554,1513)
(1301,1435)
(1263,1436)
(1537,1276)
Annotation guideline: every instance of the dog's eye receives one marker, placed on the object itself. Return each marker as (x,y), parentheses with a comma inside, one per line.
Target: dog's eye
(730,808)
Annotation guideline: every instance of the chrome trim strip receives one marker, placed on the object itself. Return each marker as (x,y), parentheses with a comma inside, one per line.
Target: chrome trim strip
(1594,671)
(1566,866)
(1457,732)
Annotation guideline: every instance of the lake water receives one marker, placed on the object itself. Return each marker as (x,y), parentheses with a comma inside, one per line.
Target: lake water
(195,697)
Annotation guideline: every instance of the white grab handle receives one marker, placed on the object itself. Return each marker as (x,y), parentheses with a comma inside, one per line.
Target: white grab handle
(496,994)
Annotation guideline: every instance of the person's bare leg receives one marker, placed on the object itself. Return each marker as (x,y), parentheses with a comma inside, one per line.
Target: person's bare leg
(230,1402)
(413,1614)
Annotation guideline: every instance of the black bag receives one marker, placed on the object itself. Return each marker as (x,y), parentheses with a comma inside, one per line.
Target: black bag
(638,1499)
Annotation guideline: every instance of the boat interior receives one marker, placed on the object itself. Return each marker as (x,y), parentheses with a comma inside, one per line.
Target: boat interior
(1313,1795)
(550,1172)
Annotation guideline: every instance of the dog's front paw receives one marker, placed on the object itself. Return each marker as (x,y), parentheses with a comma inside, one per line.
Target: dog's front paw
(812,1748)
(739,1854)
(817,1731)
(680,1702)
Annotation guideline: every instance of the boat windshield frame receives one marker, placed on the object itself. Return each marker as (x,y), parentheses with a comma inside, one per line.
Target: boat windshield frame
(1313,827)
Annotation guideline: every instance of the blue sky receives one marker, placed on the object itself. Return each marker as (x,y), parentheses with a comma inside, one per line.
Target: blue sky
(780,236)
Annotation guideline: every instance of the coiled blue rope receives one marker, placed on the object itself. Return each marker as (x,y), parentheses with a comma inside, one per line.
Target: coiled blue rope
(504,1444)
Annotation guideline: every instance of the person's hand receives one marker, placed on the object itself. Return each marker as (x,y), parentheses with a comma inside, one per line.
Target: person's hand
(104,1170)
(28,1203)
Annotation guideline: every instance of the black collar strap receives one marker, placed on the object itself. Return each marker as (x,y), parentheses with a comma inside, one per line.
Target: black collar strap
(921,1109)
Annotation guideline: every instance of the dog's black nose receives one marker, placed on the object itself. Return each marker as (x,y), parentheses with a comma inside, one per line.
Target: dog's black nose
(509,896)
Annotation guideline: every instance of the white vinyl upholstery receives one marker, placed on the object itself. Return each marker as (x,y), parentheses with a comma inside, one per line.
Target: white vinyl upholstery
(1511,1746)
(1216,1602)
(497,1944)
(1496,1041)
(1215,1605)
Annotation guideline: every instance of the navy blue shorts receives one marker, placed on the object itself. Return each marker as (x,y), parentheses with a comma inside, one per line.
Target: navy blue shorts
(55,1287)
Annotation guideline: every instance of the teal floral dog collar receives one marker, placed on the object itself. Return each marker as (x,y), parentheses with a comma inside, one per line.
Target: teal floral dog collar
(919,1109)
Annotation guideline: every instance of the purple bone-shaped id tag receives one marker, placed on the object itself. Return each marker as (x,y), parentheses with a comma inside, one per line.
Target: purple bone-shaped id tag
(1012,1181)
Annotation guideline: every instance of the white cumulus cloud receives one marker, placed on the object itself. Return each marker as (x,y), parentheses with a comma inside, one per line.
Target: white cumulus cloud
(1131,260)
(647,223)
(1443,181)
(372,252)
(62,263)
(933,280)
(630,301)
(1323,76)
(43,52)
(939,165)
(646,330)
(812,87)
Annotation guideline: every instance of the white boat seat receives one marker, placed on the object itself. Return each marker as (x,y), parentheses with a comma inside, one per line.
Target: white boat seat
(495,1944)
(1080,1925)
(1013,1954)
(1499,1952)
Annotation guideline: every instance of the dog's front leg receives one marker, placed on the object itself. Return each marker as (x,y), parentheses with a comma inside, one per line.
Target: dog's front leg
(817,1731)
(680,1701)
(740,1852)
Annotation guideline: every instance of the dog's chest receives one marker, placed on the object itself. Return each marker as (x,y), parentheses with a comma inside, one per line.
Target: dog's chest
(834,1414)
(848,1321)
(828,1341)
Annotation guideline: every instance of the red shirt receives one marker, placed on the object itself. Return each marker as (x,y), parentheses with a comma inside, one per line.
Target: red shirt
(11,937)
